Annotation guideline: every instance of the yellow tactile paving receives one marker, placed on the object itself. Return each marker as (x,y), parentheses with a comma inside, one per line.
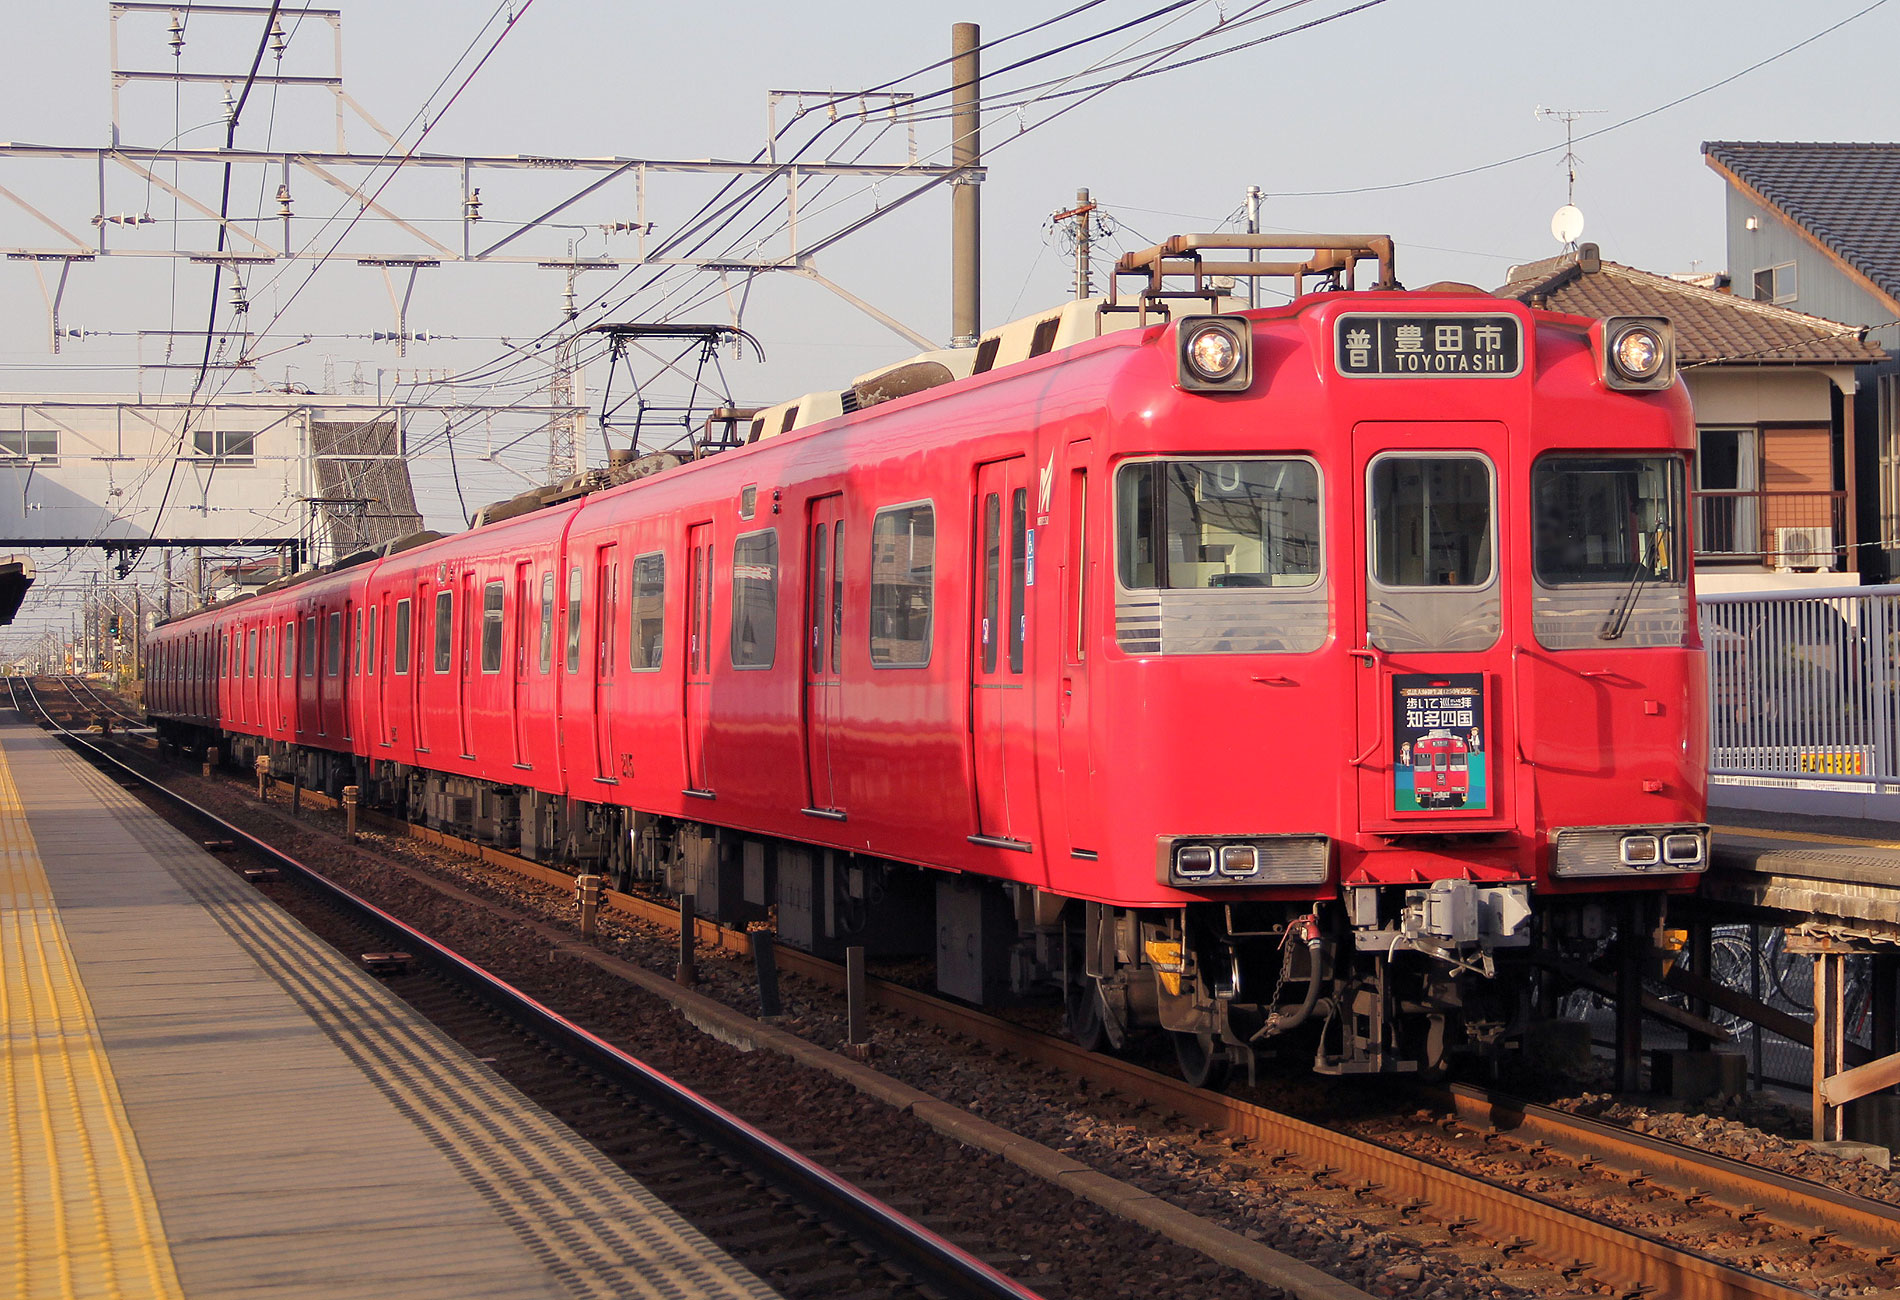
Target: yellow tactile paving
(77,1205)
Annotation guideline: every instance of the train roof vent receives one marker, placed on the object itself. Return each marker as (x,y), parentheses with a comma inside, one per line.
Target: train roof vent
(411,541)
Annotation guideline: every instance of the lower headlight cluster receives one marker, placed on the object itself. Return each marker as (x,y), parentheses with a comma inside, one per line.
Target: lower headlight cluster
(1628,850)
(1253,860)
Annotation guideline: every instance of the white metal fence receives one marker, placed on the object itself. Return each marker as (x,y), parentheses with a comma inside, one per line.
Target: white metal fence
(1804,686)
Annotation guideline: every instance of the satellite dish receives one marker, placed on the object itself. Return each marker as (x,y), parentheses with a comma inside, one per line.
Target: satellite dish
(1567,224)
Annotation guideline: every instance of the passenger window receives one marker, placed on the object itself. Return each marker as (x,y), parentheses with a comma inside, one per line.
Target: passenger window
(356,655)
(647,614)
(574,619)
(444,630)
(310,645)
(903,561)
(837,598)
(402,637)
(264,659)
(491,626)
(370,667)
(290,650)
(333,648)
(1018,571)
(250,653)
(755,599)
(547,620)
(1431,521)
(992,578)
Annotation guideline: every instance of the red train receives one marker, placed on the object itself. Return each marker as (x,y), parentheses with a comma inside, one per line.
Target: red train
(1101,656)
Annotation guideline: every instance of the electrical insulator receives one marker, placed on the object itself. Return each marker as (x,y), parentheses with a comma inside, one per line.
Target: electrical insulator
(239,303)
(278,41)
(178,36)
(283,201)
(472,207)
(230,105)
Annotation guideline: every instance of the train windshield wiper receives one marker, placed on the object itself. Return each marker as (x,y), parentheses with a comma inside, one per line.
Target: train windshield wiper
(1655,564)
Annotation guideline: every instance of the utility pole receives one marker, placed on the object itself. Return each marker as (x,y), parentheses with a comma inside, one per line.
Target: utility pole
(1083,214)
(966,150)
(1253,228)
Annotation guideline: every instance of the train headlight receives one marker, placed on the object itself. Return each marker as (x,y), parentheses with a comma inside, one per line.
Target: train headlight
(1192,861)
(1639,352)
(1215,354)
(1239,860)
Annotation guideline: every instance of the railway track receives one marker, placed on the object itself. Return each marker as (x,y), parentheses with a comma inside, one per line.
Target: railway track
(1547,1184)
(803,1228)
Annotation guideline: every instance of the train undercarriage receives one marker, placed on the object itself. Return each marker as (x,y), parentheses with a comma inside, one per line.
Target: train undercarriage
(1391,979)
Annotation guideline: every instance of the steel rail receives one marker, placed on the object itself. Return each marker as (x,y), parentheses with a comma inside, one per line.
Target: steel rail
(934,1262)
(1614,1255)
(1798,1202)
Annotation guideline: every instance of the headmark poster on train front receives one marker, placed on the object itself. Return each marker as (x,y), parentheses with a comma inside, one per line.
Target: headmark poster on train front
(1438,743)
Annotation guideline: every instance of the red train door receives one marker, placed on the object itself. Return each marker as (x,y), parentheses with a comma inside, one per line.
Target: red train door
(698,657)
(1073,726)
(1430,621)
(523,634)
(824,655)
(999,691)
(606,620)
(469,624)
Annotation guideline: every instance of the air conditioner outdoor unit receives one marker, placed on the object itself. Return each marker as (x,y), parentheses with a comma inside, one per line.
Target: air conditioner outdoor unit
(1803,548)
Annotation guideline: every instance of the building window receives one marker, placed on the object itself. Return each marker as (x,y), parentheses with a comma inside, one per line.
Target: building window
(1775,283)
(755,599)
(230,445)
(491,626)
(29,444)
(444,630)
(647,615)
(903,561)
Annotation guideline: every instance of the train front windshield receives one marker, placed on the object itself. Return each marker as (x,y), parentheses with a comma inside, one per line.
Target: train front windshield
(1607,519)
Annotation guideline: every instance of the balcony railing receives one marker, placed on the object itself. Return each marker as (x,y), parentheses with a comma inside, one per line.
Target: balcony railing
(1799,531)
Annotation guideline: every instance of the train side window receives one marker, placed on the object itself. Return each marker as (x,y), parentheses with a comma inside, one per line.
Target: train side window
(402,637)
(492,594)
(266,664)
(903,564)
(1018,576)
(369,665)
(820,584)
(837,597)
(310,645)
(992,578)
(333,645)
(547,620)
(1079,564)
(250,653)
(755,599)
(290,650)
(444,630)
(356,651)
(646,616)
(574,619)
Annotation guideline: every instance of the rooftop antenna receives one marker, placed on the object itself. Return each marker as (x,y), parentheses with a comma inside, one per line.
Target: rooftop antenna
(1567,223)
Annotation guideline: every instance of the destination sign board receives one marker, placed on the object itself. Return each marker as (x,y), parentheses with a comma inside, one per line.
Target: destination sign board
(1381,346)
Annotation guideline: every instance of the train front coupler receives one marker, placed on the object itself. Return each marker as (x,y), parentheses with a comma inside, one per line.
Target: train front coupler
(1458,922)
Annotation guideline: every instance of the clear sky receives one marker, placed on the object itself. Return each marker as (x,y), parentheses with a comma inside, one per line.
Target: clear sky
(1344,125)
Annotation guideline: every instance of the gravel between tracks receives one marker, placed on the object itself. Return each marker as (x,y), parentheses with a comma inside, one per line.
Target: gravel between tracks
(1073,1242)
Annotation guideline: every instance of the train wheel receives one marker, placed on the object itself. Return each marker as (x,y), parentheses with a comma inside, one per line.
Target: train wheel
(1202,1059)
(1082,1014)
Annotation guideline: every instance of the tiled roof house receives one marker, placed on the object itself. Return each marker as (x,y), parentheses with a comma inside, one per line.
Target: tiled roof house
(1816,226)
(1774,503)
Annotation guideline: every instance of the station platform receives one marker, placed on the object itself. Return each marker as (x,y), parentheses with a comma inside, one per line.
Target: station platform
(1839,871)
(203,1100)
